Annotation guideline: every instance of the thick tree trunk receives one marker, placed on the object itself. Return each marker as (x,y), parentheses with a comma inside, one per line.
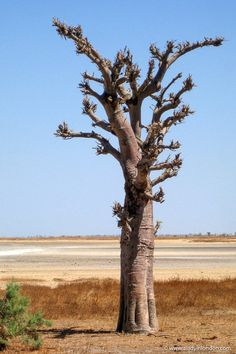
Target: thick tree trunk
(137,302)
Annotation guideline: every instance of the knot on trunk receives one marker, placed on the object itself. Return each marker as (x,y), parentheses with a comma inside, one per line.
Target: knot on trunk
(123,218)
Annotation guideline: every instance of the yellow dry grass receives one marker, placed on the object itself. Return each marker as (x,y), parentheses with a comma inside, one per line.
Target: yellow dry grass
(96,298)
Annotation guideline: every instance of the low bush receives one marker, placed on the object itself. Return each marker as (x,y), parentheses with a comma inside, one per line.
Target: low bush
(17,321)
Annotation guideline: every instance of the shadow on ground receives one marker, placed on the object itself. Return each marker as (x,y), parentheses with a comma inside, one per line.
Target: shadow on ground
(64,332)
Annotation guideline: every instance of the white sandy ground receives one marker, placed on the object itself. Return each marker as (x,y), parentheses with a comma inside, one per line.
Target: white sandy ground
(50,262)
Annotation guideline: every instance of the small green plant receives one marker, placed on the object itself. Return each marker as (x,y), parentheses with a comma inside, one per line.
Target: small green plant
(17,321)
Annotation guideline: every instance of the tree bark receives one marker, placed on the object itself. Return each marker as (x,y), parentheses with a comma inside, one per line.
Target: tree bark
(137,303)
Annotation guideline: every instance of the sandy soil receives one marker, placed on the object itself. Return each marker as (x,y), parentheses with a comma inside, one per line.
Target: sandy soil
(204,333)
(51,261)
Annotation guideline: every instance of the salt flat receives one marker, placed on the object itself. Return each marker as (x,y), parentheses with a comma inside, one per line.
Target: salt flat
(50,261)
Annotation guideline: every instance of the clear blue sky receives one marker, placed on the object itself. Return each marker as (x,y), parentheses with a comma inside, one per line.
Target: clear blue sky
(55,187)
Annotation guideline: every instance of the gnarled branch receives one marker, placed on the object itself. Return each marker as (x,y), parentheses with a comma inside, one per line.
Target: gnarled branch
(159,99)
(86,89)
(156,197)
(89,109)
(87,76)
(185,47)
(149,77)
(172,146)
(104,146)
(171,170)
(174,100)
(83,46)
(124,60)
(175,163)
(169,56)
(178,117)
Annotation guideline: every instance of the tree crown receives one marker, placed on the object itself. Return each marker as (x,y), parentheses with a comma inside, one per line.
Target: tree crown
(123,94)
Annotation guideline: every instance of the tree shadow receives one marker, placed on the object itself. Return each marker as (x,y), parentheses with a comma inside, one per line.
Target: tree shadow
(64,332)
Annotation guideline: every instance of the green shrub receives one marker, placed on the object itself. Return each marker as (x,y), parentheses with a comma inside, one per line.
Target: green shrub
(17,321)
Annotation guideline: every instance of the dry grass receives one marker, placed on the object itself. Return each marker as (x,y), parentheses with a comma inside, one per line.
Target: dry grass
(192,313)
(176,295)
(84,299)
(95,298)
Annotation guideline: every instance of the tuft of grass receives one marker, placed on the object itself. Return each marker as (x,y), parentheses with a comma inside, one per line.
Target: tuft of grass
(95,298)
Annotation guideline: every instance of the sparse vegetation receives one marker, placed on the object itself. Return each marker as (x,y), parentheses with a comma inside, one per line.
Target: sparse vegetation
(191,312)
(17,321)
(94,298)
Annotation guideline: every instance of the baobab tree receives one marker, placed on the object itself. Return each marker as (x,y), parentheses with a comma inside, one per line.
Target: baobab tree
(138,151)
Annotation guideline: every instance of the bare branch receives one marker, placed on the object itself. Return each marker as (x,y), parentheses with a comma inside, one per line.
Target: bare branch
(157,113)
(156,53)
(166,59)
(149,76)
(157,226)
(83,46)
(87,76)
(150,70)
(155,84)
(169,173)
(160,98)
(174,99)
(153,145)
(109,98)
(87,90)
(118,65)
(173,146)
(64,132)
(89,109)
(171,169)
(150,149)
(132,72)
(178,117)
(88,106)
(187,86)
(170,45)
(186,47)
(162,56)
(124,60)
(117,209)
(175,163)
(157,197)
(153,130)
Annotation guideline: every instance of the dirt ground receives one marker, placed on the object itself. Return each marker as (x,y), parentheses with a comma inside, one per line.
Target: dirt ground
(207,332)
(196,329)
